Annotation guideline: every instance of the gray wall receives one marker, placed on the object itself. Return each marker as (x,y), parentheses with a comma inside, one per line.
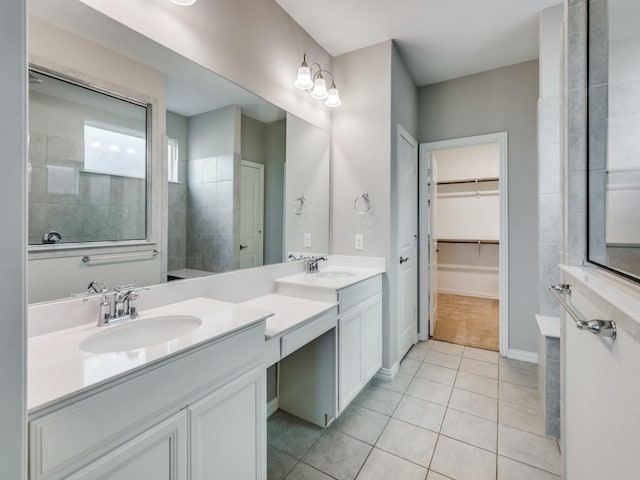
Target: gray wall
(307,174)
(275,149)
(178,128)
(252,139)
(504,99)
(213,172)
(404,111)
(13,214)
(363,160)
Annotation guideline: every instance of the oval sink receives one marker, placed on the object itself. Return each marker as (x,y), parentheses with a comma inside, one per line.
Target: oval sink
(336,274)
(140,333)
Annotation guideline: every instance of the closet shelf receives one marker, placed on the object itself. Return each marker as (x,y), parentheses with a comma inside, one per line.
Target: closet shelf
(465,240)
(469,180)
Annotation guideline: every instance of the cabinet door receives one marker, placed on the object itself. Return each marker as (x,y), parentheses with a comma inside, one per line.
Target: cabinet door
(228,439)
(371,337)
(349,356)
(157,454)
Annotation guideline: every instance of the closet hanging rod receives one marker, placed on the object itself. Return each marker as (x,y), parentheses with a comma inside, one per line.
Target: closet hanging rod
(475,242)
(469,180)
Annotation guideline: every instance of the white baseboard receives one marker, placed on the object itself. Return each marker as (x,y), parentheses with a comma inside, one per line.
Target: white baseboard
(469,293)
(522,355)
(272,407)
(387,373)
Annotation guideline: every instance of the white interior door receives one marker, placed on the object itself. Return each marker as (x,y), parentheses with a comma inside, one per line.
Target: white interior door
(251,214)
(407,214)
(432,238)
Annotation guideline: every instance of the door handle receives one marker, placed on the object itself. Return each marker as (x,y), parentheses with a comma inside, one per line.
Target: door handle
(242,247)
(403,260)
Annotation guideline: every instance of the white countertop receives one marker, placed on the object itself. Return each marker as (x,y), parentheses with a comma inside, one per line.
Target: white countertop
(57,368)
(330,283)
(290,312)
(549,326)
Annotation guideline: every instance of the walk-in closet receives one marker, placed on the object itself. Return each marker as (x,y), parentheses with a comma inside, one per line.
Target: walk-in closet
(464,214)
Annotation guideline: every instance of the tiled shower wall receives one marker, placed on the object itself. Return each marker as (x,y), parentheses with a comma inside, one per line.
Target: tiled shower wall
(213,176)
(177,128)
(549,208)
(210,225)
(549,205)
(81,206)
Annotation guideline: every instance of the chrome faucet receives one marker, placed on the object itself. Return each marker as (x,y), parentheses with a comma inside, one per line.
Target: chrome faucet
(117,305)
(311,264)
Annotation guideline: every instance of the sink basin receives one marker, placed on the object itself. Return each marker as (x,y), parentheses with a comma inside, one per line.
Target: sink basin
(140,333)
(337,274)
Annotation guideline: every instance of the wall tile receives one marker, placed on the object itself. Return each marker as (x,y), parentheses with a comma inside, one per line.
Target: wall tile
(225,194)
(577,46)
(549,221)
(577,130)
(225,168)
(598,42)
(598,126)
(209,169)
(549,168)
(576,218)
(548,120)
(37,149)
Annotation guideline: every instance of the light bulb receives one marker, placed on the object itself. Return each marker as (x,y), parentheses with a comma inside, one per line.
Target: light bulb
(333,100)
(303,81)
(319,89)
(183,3)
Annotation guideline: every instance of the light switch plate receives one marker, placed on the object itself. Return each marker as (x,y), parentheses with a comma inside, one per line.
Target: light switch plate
(307,240)
(359,241)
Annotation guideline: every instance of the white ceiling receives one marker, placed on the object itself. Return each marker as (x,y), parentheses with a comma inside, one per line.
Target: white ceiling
(438,39)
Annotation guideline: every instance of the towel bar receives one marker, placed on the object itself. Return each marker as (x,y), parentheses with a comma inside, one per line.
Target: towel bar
(606,328)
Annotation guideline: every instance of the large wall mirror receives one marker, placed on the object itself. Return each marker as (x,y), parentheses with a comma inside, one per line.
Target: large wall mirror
(146,167)
(614,136)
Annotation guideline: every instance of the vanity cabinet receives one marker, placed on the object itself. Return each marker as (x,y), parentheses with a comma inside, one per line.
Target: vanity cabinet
(201,411)
(359,337)
(226,428)
(159,453)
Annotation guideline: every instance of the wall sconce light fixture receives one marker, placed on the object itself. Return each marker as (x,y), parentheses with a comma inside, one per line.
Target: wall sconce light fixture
(183,3)
(311,79)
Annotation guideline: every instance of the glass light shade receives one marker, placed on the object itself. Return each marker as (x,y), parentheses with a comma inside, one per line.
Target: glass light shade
(319,89)
(333,100)
(303,81)
(183,3)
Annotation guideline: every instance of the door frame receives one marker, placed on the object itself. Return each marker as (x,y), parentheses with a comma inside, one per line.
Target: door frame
(501,138)
(402,133)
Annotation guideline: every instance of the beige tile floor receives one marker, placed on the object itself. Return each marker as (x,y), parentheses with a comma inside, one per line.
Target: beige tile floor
(451,412)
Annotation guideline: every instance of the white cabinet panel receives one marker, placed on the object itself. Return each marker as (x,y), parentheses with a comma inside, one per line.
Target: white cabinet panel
(349,357)
(228,431)
(371,337)
(359,338)
(157,454)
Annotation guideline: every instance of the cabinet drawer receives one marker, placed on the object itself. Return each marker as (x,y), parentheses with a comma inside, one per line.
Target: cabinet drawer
(79,433)
(350,297)
(312,329)
(273,351)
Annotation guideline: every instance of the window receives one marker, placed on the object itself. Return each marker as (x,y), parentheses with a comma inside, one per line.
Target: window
(114,150)
(172,156)
(88,163)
